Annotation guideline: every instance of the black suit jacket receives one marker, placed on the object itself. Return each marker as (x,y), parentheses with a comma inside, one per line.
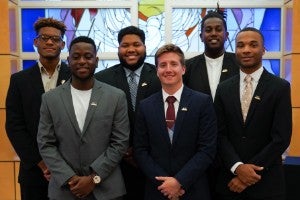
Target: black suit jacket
(263,137)
(148,84)
(196,76)
(23,103)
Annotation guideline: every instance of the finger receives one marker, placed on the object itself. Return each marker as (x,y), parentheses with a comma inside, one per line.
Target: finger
(160,178)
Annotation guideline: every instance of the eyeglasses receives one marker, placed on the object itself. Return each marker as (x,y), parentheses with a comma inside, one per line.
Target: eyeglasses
(45,38)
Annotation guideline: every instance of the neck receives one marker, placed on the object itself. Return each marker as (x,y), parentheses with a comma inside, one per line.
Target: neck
(82,84)
(214,54)
(171,89)
(49,65)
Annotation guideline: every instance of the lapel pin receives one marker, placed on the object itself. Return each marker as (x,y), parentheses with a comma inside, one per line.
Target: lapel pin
(225,70)
(257,98)
(144,84)
(184,109)
(63,81)
(93,104)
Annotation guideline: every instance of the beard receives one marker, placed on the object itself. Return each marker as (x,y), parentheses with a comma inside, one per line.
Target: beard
(135,66)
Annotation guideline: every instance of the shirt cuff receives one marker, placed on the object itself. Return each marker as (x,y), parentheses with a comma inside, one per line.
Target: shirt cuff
(233,168)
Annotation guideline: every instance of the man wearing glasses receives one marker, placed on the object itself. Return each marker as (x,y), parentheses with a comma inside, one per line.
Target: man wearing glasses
(23,106)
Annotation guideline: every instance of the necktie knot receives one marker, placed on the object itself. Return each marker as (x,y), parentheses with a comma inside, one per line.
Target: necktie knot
(171,99)
(248,79)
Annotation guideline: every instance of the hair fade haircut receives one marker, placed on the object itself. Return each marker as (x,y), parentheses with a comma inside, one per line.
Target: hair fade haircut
(84,39)
(49,22)
(129,30)
(253,30)
(167,48)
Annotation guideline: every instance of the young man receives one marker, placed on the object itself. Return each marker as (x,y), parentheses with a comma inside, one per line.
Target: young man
(83,131)
(132,54)
(255,125)
(23,103)
(175,142)
(205,71)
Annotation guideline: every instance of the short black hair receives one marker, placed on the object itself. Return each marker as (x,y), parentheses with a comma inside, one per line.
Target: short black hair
(254,30)
(84,39)
(214,14)
(131,30)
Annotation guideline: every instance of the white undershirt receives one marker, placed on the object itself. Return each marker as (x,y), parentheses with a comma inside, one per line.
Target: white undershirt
(214,68)
(81,99)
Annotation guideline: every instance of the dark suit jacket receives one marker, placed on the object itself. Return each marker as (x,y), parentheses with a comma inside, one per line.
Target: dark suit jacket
(192,150)
(148,85)
(262,139)
(196,76)
(23,103)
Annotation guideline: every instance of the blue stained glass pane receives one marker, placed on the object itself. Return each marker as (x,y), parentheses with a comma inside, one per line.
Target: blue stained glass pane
(29,16)
(270,28)
(28,63)
(272,66)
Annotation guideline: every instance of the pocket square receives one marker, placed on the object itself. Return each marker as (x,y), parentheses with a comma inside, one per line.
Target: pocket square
(225,70)
(144,84)
(63,81)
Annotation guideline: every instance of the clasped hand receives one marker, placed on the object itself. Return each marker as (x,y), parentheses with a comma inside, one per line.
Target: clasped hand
(170,187)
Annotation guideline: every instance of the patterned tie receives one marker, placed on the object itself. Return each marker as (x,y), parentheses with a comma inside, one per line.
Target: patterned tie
(170,115)
(247,96)
(132,88)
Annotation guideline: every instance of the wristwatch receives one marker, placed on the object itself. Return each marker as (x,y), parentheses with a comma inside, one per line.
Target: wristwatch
(96,179)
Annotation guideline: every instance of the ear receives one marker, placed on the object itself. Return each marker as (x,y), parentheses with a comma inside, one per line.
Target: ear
(35,41)
(201,37)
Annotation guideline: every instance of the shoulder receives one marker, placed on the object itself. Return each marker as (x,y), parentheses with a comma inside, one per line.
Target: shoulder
(275,81)
(108,71)
(109,88)
(193,60)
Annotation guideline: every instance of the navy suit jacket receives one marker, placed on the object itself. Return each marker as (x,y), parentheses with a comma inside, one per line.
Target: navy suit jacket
(263,137)
(193,148)
(196,76)
(23,103)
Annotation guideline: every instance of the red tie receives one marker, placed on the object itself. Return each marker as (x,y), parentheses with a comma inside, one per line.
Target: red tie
(170,116)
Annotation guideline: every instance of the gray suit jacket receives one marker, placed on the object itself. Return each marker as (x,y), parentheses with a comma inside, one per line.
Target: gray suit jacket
(100,146)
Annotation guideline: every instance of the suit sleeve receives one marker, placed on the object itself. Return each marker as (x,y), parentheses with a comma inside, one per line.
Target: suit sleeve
(47,142)
(141,147)
(206,146)
(281,129)
(119,141)
(17,131)
(225,148)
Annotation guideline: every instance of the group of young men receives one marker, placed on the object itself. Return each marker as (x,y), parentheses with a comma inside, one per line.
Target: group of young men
(180,129)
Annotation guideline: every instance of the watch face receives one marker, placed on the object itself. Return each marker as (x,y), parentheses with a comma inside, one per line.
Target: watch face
(96,179)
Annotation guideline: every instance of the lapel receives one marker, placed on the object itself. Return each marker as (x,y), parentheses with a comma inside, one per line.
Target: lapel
(68,103)
(121,82)
(64,74)
(235,95)
(182,110)
(258,94)
(226,67)
(160,119)
(203,74)
(36,80)
(145,82)
(93,104)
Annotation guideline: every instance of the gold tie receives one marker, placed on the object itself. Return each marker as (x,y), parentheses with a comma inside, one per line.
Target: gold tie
(247,96)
